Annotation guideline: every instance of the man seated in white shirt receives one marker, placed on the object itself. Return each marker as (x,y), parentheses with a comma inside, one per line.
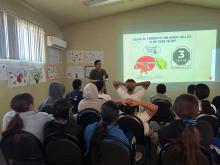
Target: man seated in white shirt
(127,90)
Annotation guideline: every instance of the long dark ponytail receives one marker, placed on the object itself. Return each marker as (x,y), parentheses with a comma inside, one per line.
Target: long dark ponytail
(186,107)
(109,114)
(19,103)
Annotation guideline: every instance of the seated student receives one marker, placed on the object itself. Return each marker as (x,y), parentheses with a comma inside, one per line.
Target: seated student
(61,123)
(96,132)
(145,116)
(185,128)
(91,100)
(191,89)
(56,91)
(101,86)
(23,117)
(202,93)
(127,90)
(161,90)
(76,95)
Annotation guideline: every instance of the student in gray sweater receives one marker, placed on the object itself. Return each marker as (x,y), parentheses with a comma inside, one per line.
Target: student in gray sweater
(23,117)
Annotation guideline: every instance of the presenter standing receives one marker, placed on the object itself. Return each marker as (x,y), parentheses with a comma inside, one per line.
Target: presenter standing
(98,74)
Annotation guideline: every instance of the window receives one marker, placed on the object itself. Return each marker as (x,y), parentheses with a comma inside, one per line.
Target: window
(20,39)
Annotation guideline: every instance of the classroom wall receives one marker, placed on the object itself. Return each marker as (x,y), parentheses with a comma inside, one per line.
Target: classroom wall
(39,91)
(106,34)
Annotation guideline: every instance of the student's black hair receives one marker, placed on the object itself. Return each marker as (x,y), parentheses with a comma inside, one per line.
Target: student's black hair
(128,110)
(207,108)
(96,62)
(109,114)
(76,84)
(19,103)
(202,91)
(191,89)
(161,88)
(100,85)
(130,80)
(61,109)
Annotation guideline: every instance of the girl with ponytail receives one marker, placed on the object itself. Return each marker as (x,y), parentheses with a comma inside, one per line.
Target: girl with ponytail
(185,132)
(23,117)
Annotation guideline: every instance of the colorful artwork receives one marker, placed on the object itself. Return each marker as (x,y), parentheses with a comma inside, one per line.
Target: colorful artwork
(147,63)
(17,77)
(52,73)
(37,76)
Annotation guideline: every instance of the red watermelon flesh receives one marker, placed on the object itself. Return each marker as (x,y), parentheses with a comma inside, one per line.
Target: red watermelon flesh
(145,63)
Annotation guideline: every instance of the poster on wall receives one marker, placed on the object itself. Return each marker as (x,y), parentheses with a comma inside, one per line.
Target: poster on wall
(75,56)
(88,69)
(3,72)
(92,56)
(17,76)
(74,72)
(37,75)
(52,73)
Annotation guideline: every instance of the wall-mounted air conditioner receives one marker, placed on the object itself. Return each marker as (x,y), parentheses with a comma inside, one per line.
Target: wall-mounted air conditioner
(56,42)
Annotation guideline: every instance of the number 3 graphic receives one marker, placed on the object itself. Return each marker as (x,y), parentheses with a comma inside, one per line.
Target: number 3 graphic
(181,54)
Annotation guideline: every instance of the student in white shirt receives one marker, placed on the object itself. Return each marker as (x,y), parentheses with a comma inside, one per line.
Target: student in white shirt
(127,90)
(23,117)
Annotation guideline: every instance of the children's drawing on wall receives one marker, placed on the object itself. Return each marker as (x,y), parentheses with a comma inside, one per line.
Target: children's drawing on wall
(37,76)
(74,72)
(75,56)
(17,77)
(3,72)
(91,56)
(52,73)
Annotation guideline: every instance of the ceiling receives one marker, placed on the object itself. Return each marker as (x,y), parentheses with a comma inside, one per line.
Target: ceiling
(65,12)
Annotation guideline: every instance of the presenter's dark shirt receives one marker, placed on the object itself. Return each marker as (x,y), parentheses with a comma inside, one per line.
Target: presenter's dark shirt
(98,74)
(174,131)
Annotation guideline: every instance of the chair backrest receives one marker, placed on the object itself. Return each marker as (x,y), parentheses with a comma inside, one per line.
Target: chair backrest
(114,152)
(74,101)
(212,120)
(3,159)
(88,116)
(163,113)
(169,156)
(22,147)
(133,125)
(62,148)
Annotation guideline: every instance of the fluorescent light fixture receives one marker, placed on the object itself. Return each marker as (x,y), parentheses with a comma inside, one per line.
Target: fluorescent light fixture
(95,3)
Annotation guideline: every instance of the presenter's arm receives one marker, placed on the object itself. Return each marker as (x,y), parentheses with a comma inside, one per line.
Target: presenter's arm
(106,74)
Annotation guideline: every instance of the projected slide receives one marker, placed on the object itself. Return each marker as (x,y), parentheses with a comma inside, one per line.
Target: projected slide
(184,56)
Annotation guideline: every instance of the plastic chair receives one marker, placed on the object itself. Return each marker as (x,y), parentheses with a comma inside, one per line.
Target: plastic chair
(163,114)
(22,148)
(169,156)
(133,127)
(88,116)
(62,149)
(114,152)
(212,120)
